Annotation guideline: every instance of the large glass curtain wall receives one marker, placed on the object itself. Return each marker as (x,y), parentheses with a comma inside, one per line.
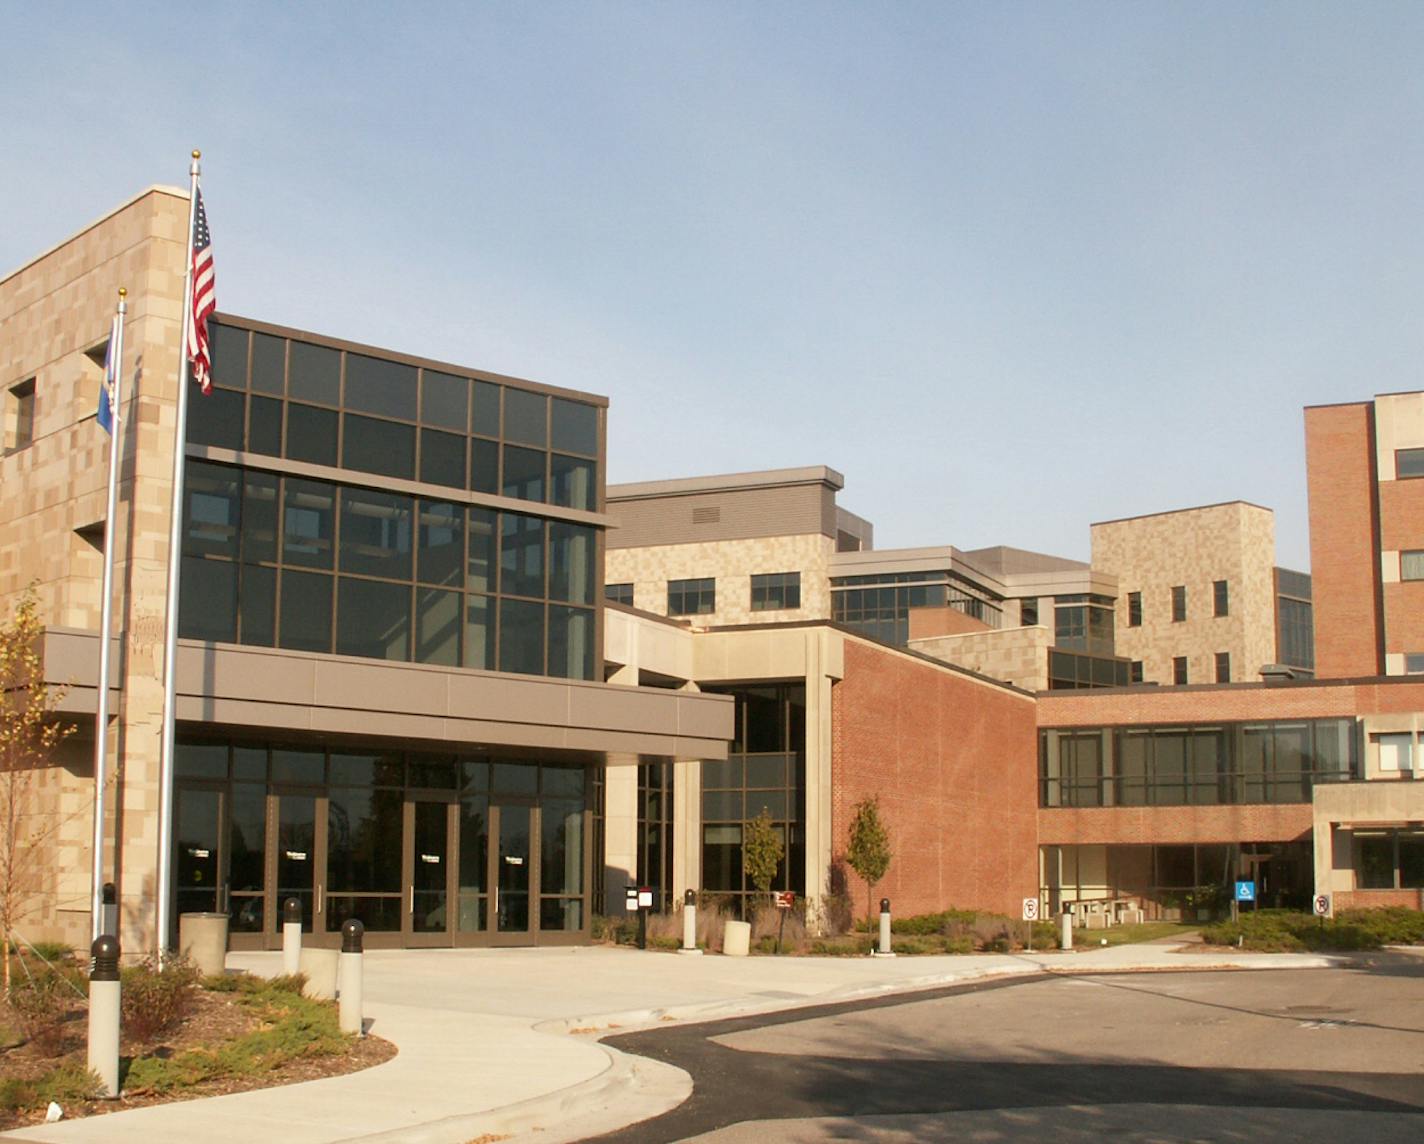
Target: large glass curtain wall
(879,606)
(423,849)
(1275,762)
(282,561)
(765,770)
(655,830)
(273,559)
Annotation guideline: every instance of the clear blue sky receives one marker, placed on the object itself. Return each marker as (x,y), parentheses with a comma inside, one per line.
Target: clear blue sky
(1011,268)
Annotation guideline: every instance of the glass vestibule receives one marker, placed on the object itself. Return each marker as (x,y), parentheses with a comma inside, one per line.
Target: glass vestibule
(425,850)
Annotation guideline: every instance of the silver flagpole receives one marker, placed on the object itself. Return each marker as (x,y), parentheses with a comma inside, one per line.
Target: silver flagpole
(101,723)
(170,633)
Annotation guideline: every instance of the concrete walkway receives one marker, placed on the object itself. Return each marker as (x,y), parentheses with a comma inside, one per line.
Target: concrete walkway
(504,1042)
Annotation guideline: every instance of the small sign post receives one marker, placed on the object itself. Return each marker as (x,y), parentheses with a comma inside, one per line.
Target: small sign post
(1245,892)
(1322,907)
(1030,915)
(785,899)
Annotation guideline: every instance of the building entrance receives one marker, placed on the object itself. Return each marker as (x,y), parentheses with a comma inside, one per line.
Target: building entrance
(424,852)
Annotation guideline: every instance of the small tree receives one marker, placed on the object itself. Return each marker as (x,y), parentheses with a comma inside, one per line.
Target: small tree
(868,851)
(762,848)
(28,737)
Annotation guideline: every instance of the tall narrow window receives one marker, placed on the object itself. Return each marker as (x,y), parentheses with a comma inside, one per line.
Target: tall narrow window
(1179,603)
(1028,611)
(1179,669)
(1134,609)
(1411,565)
(1223,667)
(22,400)
(1136,675)
(1221,602)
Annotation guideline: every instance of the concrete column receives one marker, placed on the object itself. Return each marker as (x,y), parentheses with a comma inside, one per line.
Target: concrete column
(686,827)
(824,664)
(620,834)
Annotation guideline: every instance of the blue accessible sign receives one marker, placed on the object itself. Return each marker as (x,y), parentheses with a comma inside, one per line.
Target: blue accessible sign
(1245,891)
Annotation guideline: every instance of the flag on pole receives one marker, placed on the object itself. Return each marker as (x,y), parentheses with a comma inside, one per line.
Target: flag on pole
(106,391)
(204,299)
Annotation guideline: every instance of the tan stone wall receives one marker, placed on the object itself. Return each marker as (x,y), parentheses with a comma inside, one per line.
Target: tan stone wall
(1233,542)
(732,563)
(1013,655)
(51,312)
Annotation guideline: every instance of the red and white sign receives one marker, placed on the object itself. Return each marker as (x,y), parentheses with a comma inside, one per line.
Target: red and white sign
(1030,907)
(785,899)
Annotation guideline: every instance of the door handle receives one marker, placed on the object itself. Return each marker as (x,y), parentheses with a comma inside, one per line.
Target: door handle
(412,899)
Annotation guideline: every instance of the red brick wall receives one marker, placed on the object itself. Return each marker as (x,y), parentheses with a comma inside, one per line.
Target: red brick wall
(925,623)
(1401,509)
(954,763)
(1344,560)
(1174,824)
(1374,899)
(1404,615)
(1237,702)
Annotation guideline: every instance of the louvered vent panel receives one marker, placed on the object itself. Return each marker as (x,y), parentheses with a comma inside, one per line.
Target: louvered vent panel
(709,515)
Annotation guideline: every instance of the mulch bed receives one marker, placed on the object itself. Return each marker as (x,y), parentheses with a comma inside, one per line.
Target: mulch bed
(214,1018)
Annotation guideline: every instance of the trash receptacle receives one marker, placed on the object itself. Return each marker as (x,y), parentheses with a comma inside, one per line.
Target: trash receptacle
(202,939)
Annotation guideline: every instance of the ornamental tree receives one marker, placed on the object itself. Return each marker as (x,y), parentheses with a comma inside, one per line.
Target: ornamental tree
(868,850)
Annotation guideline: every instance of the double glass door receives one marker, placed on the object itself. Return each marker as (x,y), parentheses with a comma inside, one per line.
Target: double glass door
(418,870)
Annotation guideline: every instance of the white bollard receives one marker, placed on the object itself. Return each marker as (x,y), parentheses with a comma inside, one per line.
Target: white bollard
(104,1013)
(884,950)
(291,936)
(1065,927)
(689,923)
(349,975)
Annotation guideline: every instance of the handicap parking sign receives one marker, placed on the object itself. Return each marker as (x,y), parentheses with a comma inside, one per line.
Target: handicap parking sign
(1245,891)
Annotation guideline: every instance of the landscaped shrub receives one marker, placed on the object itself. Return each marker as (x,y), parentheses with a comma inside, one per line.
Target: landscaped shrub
(154,1000)
(1288,930)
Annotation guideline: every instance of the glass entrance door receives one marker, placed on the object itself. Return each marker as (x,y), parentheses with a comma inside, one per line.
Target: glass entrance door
(514,875)
(429,872)
(219,856)
(298,862)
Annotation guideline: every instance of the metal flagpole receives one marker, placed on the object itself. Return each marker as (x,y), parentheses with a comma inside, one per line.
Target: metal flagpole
(170,631)
(101,725)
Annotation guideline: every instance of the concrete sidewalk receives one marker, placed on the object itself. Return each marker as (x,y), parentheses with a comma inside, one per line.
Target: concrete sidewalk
(504,1042)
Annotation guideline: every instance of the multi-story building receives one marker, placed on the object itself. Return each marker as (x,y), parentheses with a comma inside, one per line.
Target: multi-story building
(390,694)
(1365,461)
(1197,592)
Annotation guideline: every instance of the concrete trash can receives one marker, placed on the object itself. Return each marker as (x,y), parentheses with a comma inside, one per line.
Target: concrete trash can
(320,967)
(737,939)
(202,939)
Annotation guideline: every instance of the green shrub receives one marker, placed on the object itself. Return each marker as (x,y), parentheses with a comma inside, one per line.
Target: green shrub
(153,1000)
(1287,930)
(40,1004)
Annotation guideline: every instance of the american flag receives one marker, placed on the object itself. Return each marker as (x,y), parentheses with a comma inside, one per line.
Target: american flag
(205,299)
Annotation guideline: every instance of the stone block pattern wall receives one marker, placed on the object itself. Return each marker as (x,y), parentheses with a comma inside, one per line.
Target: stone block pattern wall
(1344,557)
(1193,548)
(731,563)
(1013,655)
(54,312)
(952,760)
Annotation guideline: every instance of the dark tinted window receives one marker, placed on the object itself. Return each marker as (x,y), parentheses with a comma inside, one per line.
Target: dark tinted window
(523,473)
(375,619)
(306,611)
(521,637)
(442,458)
(217,418)
(386,388)
(484,408)
(575,427)
(572,481)
(264,434)
(269,364)
(375,533)
(526,417)
(375,446)
(484,466)
(316,374)
(228,348)
(444,400)
(311,434)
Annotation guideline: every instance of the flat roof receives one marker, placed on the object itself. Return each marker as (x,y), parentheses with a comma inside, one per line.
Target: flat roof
(1176,511)
(728,482)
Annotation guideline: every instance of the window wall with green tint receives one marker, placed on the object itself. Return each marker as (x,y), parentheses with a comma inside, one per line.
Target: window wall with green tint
(879,606)
(366,831)
(298,400)
(283,561)
(764,770)
(1195,765)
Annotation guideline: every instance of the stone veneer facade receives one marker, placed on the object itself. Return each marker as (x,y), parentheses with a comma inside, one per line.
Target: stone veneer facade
(1014,655)
(732,563)
(55,313)
(1192,548)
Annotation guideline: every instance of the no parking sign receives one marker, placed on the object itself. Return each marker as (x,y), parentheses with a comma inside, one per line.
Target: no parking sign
(1030,909)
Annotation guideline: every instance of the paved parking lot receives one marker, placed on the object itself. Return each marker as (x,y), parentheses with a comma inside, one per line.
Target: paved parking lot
(1311,1054)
